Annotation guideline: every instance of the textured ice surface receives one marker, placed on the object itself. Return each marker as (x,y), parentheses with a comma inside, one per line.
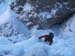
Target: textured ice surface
(22,45)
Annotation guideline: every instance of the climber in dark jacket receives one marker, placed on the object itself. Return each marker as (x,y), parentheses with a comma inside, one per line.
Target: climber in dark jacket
(48,38)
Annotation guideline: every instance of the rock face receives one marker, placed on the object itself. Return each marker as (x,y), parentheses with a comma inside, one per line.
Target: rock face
(42,5)
(56,20)
(72,3)
(8,30)
(42,13)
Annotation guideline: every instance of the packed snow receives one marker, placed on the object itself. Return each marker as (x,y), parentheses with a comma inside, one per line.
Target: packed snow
(27,43)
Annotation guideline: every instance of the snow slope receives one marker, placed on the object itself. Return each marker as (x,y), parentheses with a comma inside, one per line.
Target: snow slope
(4,12)
(18,45)
(8,21)
(20,27)
(63,45)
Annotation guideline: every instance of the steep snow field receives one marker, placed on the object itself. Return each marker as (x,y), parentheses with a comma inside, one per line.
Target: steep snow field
(63,44)
(26,43)
(4,11)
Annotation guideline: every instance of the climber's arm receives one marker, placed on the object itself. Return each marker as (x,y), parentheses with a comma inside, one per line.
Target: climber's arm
(41,37)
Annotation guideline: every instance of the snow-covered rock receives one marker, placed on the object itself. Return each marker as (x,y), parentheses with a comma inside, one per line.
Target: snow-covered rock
(25,42)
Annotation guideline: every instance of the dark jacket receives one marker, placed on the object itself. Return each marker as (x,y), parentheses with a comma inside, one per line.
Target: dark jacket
(47,38)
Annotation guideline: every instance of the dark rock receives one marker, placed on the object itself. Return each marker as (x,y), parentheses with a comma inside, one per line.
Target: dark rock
(21,2)
(61,1)
(72,3)
(42,5)
(56,20)
(64,11)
